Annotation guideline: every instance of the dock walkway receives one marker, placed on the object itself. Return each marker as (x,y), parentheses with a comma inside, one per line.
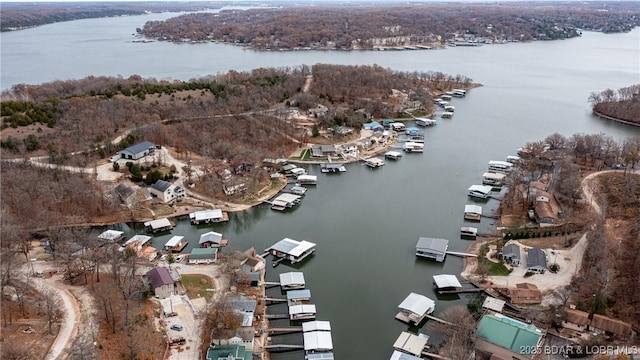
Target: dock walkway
(461,254)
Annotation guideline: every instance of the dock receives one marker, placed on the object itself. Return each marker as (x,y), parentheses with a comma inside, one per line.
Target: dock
(285,330)
(282,347)
(461,254)
(276,316)
(431,317)
(460,291)
(277,300)
(434,356)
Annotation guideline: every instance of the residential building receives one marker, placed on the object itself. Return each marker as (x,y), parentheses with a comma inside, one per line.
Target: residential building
(166,191)
(161,282)
(511,254)
(203,255)
(507,338)
(536,261)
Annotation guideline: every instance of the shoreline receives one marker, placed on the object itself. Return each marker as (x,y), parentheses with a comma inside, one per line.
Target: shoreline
(603,116)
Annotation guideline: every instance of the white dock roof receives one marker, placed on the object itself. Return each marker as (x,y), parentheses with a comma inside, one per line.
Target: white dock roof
(288,198)
(397,355)
(298,294)
(410,343)
(174,241)
(317,325)
(142,238)
(293,247)
(444,281)
(210,236)
(493,304)
(206,215)
(481,188)
(433,244)
(307,177)
(474,209)
(417,304)
(496,176)
(158,224)
(318,341)
(292,278)
(110,235)
(393,153)
(302,309)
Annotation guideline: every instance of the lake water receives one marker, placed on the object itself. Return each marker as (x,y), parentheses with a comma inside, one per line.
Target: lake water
(366,222)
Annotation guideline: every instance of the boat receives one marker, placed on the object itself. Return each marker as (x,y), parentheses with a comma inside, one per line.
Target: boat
(425,122)
(413,147)
(393,155)
(479,191)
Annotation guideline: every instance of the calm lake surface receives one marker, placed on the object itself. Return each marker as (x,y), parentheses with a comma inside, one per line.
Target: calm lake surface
(366,222)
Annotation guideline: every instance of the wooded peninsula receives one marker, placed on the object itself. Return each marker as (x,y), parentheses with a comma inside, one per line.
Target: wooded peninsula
(389,26)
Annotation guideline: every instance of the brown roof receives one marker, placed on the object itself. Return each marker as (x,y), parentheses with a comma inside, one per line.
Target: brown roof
(577,317)
(614,326)
(525,296)
(527,286)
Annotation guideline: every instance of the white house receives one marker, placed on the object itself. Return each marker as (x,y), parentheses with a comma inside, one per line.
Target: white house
(166,191)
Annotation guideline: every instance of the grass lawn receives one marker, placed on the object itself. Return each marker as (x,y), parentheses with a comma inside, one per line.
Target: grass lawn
(495,268)
(196,285)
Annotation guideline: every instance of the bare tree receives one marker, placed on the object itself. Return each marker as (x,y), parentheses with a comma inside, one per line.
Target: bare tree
(51,304)
(83,348)
(459,343)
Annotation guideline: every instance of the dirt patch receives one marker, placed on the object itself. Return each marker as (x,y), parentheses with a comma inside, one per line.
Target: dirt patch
(24,337)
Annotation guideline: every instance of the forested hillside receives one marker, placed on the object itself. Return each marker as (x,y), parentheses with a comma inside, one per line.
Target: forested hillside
(372,26)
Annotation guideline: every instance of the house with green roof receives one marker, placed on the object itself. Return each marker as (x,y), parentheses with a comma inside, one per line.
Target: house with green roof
(507,338)
(234,352)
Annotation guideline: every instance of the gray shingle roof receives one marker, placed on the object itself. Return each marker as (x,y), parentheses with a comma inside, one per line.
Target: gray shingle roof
(161,185)
(536,257)
(140,147)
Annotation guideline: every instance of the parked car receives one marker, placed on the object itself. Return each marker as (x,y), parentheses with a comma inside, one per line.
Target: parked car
(177,327)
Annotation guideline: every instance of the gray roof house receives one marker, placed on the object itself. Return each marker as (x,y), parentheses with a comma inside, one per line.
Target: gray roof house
(323,150)
(536,260)
(137,151)
(511,254)
(166,191)
(162,284)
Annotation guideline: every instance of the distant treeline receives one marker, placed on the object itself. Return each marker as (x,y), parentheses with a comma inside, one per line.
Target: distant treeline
(16,16)
(622,104)
(369,26)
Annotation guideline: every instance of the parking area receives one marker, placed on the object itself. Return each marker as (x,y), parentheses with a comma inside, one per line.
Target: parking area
(183,324)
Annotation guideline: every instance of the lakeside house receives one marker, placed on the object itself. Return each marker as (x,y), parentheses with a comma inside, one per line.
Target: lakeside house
(203,255)
(505,338)
(161,283)
(323,150)
(536,261)
(166,191)
(546,208)
(511,254)
(525,293)
(137,151)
